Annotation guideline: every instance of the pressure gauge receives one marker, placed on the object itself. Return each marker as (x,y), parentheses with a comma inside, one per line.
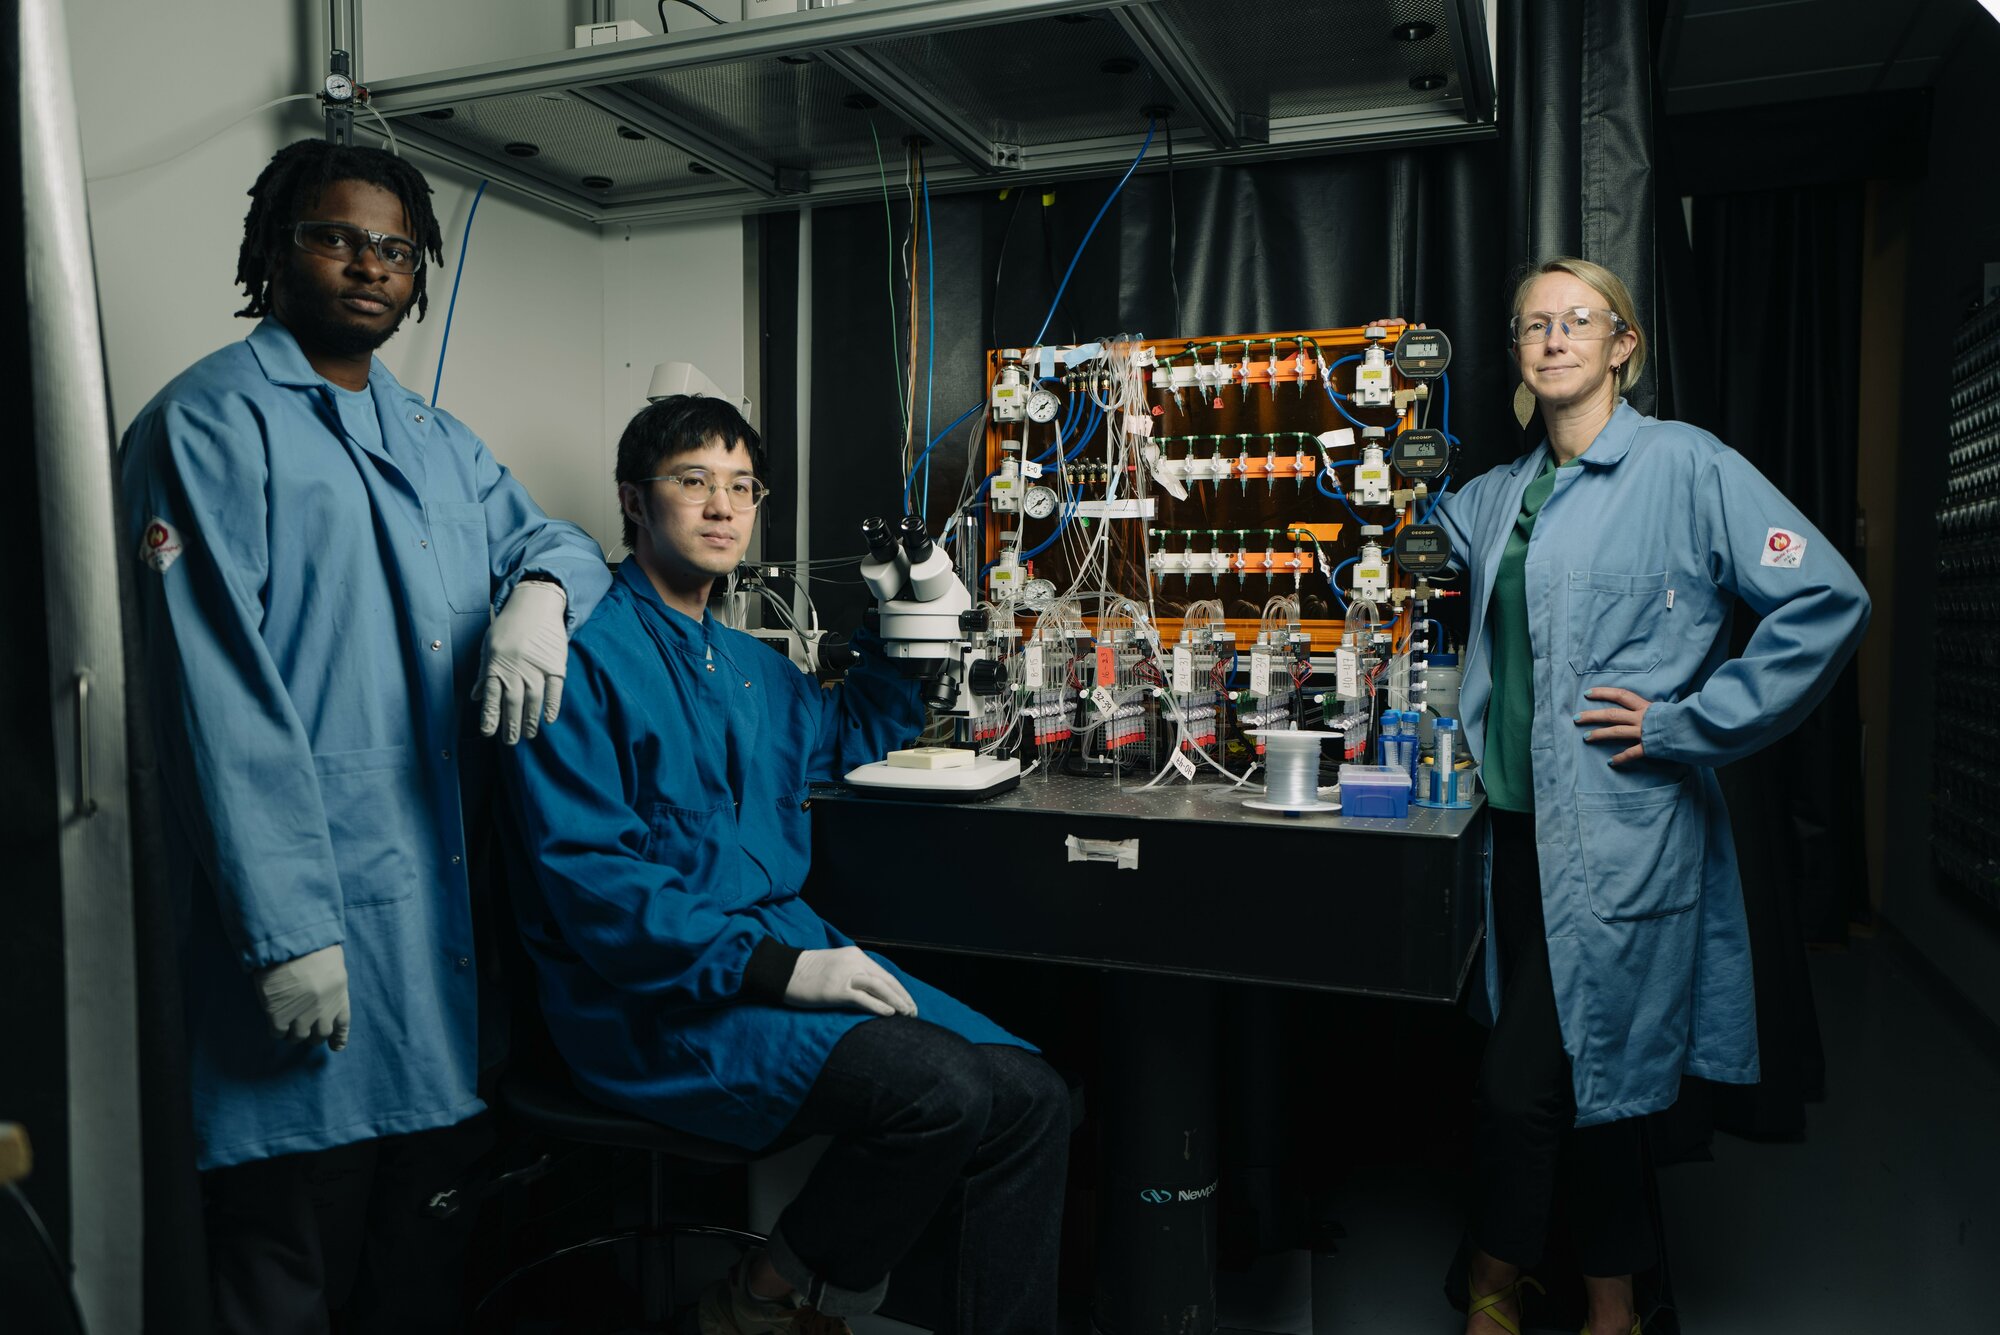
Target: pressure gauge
(1420,454)
(1043,406)
(1040,502)
(1423,548)
(338,88)
(1422,354)
(1038,594)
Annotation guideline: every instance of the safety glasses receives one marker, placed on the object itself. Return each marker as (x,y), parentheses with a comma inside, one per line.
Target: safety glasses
(344,241)
(1584,323)
(694,486)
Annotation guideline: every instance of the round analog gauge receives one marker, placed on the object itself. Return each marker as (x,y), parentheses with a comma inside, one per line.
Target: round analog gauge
(1043,406)
(1040,502)
(339,88)
(1037,594)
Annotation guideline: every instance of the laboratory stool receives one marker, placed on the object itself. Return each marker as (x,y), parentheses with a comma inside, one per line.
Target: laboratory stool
(548,1104)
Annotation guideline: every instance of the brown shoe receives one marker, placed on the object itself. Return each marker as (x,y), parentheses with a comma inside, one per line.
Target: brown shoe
(729,1308)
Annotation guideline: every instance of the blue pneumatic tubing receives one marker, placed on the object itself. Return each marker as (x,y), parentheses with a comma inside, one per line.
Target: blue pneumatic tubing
(911,479)
(1337,493)
(444,344)
(1151,126)
(1444,485)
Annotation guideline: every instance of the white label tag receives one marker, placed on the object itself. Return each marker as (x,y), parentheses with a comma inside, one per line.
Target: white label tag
(1183,670)
(1183,764)
(1030,469)
(1346,673)
(1103,699)
(160,546)
(1126,509)
(1260,672)
(1338,440)
(1138,424)
(1034,667)
(1784,549)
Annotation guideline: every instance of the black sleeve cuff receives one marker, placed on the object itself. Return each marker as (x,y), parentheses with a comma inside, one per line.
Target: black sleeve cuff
(769,972)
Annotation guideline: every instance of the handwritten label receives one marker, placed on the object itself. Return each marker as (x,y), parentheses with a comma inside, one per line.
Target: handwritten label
(1034,671)
(1346,673)
(1104,700)
(1183,764)
(1260,672)
(1183,670)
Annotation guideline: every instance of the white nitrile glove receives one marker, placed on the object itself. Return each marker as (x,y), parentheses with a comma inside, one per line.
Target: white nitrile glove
(306,999)
(521,670)
(846,979)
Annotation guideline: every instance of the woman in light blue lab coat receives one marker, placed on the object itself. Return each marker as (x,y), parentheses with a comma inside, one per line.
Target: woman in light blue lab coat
(1599,695)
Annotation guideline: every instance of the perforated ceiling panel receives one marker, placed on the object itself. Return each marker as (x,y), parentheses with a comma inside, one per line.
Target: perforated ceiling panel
(571,146)
(773,113)
(1321,58)
(806,116)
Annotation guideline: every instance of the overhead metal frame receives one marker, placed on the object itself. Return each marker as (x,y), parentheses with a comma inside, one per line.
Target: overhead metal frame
(846,40)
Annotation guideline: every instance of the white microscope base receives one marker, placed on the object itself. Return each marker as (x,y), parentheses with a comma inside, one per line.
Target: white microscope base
(984,777)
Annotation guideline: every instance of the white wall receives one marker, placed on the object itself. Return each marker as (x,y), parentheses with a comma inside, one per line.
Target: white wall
(672,292)
(550,310)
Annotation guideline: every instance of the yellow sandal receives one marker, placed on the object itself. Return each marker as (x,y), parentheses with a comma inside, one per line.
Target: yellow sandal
(1494,1299)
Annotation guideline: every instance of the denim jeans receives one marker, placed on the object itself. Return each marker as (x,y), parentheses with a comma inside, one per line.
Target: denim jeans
(928,1127)
(1529,1144)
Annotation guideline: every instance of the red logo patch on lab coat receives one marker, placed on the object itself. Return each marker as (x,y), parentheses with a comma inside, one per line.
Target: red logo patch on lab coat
(161,545)
(1783,548)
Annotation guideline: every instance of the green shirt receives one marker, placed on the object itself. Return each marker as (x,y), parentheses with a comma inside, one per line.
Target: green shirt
(1508,770)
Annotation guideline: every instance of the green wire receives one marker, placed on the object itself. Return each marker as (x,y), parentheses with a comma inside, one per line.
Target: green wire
(889,220)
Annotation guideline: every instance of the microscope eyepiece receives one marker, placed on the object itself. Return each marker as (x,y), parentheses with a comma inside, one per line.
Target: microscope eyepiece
(881,542)
(916,540)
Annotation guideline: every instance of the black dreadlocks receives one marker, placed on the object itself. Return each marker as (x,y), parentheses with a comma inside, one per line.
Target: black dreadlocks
(294,177)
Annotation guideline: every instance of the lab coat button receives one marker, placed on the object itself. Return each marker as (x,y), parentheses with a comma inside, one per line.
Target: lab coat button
(447,755)
(463,962)
(437,644)
(424,543)
(455,859)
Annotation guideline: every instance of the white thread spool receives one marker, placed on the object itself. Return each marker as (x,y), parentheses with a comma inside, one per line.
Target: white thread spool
(1291,767)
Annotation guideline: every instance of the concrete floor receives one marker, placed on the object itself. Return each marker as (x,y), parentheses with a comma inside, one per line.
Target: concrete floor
(1886,1218)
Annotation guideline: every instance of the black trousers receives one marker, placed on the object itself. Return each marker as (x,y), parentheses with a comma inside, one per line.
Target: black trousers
(930,1131)
(1529,1145)
(337,1240)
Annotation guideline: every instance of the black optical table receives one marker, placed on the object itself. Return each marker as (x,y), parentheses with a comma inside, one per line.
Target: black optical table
(1215,893)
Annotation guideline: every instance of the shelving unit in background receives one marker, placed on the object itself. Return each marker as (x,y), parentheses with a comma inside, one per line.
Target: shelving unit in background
(1965,818)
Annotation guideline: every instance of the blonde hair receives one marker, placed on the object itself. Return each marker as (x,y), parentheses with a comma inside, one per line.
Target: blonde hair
(1611,287)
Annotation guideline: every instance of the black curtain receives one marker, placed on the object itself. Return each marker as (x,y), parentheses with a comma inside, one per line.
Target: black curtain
(1781,274)
(1290,245)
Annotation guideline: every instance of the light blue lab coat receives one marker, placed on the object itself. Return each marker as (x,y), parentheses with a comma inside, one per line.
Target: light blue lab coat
(667,833)
(311,651)
(1634,566)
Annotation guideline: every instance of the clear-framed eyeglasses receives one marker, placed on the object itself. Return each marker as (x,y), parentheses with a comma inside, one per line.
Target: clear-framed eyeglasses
(345,241)
(1584,323)
(694,486)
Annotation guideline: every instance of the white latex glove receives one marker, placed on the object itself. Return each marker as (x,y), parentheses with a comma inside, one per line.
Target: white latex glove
(306,999)
(521,669)
(846,979)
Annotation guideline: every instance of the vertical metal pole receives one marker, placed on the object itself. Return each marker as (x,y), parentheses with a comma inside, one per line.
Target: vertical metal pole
(802,367)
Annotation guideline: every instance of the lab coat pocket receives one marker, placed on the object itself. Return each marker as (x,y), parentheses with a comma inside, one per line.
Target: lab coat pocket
(375,804)
(1641,850)
(458,536)
(1613,620)
(789,854)
(691,838)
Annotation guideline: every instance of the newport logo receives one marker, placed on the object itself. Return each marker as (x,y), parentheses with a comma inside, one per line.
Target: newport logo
(1160,1196)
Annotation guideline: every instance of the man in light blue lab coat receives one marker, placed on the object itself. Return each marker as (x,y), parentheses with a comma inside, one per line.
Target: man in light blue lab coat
(1599,696)
(334,569)
(684,980)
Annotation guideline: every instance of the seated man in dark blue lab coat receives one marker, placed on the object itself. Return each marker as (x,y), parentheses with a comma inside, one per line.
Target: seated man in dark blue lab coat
(685,981)
(323,555)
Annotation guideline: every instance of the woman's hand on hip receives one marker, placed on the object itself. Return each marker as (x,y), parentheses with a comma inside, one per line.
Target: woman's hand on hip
(1622,724)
